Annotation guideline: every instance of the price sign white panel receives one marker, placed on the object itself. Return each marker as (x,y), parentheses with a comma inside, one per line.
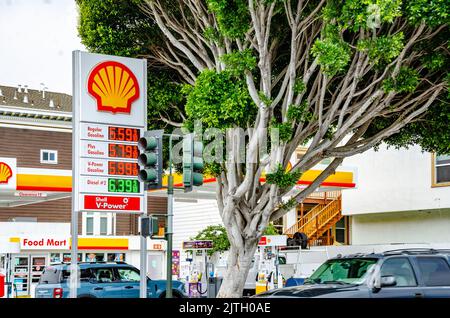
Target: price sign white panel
(91,131)
(109,116)
(112,89)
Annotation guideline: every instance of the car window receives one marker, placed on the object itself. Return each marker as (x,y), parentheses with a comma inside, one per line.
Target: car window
(351,270)
(51,275)
(85,274)
(401,269)
(435,271)
(128,275)
(103,275)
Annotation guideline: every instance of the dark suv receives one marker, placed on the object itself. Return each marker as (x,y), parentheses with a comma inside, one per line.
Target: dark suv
(408,273)
(101,280)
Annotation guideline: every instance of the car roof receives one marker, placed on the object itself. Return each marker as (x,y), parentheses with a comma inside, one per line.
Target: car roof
(404,252)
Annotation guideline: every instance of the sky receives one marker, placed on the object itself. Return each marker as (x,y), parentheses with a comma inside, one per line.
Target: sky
(37,38)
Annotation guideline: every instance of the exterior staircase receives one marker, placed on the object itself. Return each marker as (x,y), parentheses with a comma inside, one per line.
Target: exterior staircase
(318,220)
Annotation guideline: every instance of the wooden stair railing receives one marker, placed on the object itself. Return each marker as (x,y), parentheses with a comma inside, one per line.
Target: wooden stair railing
(321,218)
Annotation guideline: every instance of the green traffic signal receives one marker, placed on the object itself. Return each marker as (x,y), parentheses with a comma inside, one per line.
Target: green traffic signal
(150,159)
(147,143)
(147,159)
(148,175)
(192,162)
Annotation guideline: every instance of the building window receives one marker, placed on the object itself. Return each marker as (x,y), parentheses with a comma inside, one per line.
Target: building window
(441,170)
(90,224)
(104,225)
(98,223)
(49,156)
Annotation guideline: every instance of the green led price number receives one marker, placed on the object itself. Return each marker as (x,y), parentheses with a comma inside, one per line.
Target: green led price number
(123,185)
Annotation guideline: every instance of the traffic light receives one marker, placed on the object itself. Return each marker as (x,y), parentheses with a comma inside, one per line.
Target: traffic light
(150,159)
(192,162)
(149,226)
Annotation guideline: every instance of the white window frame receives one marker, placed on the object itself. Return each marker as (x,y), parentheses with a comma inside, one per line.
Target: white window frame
(111,223)
(55,152)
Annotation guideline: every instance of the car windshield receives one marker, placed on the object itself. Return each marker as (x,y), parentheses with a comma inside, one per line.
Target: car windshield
(342,271)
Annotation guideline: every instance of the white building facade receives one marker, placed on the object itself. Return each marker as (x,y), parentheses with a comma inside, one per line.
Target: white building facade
(402,196)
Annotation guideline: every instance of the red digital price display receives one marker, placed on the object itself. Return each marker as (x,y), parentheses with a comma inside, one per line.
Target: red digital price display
(123,151)
(123,134)
(123,168)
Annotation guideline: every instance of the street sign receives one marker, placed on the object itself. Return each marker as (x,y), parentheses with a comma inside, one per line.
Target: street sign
(198,245)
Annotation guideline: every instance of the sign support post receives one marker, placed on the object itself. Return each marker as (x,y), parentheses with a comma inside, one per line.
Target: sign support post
(169,233)
(143,265)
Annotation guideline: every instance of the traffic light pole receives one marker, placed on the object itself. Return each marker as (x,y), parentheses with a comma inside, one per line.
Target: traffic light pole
(169,222)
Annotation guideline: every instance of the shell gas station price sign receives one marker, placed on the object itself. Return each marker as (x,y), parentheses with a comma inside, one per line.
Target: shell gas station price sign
(109,115)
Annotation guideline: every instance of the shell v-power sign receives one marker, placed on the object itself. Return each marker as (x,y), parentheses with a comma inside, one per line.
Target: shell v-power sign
(109,117)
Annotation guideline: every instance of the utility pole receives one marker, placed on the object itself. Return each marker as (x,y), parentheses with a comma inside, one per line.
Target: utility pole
(169,234)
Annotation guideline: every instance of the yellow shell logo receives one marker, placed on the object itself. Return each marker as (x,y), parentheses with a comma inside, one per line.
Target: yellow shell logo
(114,86)
(5,172)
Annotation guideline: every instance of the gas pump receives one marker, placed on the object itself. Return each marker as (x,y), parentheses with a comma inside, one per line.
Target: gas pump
(199,268)
(269,275)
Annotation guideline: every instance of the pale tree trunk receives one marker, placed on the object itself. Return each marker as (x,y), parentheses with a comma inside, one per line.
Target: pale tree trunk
(239,264)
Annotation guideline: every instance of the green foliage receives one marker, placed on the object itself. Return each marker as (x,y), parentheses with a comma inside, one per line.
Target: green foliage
(299,113)
(384,49)
(284,130)
(433,13)
(405,82)
(213,35)
(217,234)
(282,178)
(213,169)
(116,27)
(333,55)
(240,61)
(266,100)
(219,100)
(432,132)
(299,86)
(355,14)
(232,16)
(271,230)
(434,61)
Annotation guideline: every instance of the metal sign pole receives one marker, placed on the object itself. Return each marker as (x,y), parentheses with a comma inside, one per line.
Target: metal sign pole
(143,266)
(169,223)
(75,165)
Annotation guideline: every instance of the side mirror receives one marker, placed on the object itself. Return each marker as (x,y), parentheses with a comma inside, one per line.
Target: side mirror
(387,281)
(92,280)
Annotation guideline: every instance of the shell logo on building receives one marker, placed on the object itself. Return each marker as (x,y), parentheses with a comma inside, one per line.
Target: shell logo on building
(114,86)
(5,172)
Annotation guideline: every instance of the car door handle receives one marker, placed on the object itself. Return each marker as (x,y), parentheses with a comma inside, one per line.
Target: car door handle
(128,287)
(98,288)
(418,295)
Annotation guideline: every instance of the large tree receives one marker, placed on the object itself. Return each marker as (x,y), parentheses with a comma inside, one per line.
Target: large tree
(337,76)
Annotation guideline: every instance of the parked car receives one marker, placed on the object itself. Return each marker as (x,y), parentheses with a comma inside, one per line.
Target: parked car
(101,280)
(409,273)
